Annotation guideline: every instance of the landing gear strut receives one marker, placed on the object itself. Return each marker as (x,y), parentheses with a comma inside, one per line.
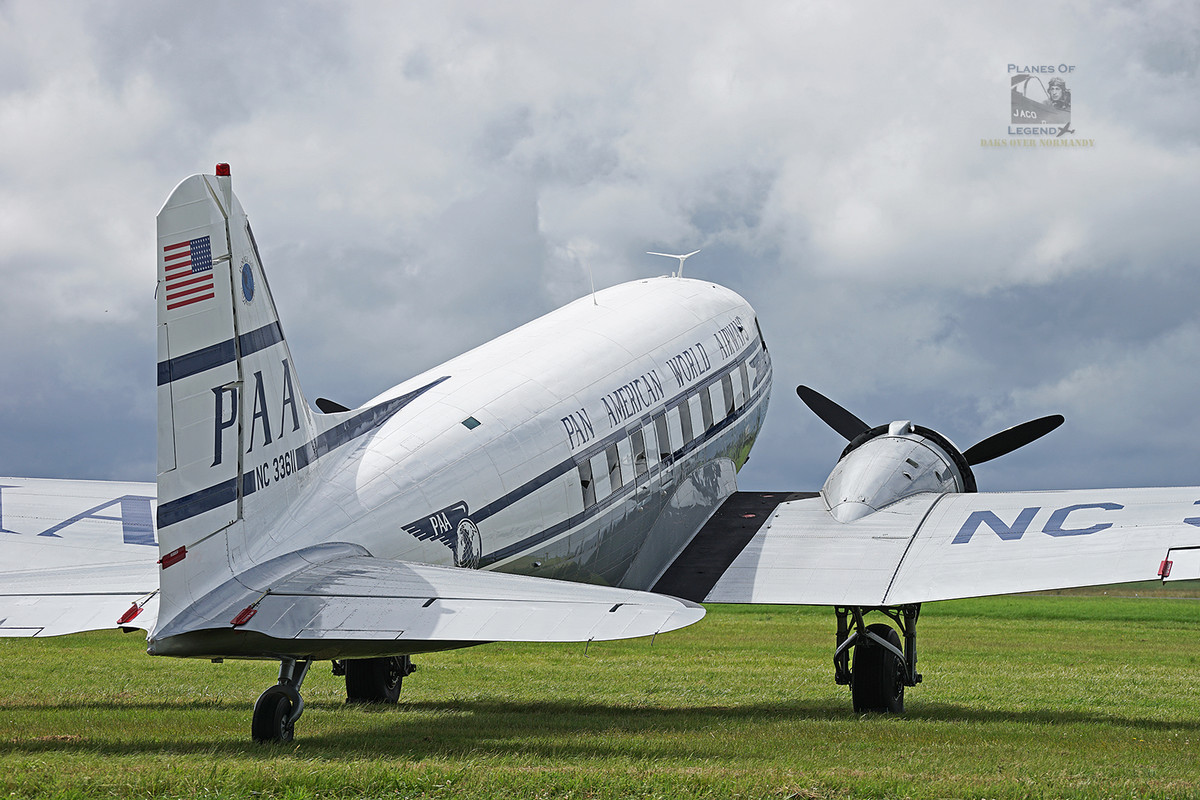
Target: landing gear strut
(278,708)
(374,680)
(881,665)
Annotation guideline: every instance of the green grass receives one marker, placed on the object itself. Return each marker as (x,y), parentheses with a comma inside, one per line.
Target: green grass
(1070,696)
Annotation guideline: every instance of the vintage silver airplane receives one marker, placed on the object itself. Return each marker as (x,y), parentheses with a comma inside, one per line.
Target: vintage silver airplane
(572,480)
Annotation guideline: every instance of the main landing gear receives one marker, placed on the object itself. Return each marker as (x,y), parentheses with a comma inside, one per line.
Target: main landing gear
(279,707)
(368,680)
(374,680)
(882,666)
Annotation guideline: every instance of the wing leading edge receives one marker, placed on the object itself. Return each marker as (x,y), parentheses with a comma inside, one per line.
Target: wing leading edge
(943,546)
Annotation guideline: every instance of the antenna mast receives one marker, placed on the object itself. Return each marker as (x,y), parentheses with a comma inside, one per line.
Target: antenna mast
(682,259)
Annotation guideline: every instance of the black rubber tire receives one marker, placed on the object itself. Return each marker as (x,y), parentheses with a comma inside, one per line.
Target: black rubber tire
(877,679)
(270,721)
(373,680)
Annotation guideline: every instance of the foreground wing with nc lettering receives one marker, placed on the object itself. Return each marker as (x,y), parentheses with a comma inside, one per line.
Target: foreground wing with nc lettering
(933,546)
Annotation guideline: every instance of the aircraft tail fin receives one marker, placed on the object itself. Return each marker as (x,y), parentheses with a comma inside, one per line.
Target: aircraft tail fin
(232,418)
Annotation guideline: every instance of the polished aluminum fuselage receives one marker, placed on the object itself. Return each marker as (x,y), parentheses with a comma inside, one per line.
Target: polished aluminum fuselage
(589,445)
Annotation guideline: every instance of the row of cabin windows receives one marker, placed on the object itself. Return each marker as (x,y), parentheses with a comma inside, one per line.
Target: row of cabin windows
(628,459)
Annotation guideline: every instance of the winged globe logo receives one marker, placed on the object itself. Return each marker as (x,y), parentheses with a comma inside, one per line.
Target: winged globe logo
(452,527)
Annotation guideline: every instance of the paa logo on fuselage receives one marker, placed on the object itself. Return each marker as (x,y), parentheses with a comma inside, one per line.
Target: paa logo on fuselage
(454,528)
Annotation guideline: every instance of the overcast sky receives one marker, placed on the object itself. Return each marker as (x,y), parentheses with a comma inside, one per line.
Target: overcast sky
(425,176)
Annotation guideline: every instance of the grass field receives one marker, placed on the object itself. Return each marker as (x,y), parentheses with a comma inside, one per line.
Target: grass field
(1052,696)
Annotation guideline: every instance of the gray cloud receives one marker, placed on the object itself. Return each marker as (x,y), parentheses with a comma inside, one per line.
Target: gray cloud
(423,178)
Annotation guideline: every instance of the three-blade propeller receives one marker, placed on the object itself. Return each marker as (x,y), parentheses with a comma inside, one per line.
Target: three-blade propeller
(994,446)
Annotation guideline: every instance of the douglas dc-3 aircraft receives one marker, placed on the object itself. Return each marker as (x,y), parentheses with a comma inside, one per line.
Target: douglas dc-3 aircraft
(568,481)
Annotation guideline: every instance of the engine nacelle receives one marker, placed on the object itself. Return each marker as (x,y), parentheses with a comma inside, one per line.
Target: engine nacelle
(889,463)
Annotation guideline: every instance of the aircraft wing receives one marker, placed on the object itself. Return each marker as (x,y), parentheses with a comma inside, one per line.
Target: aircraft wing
(76,556)
(940,546)
(338,601)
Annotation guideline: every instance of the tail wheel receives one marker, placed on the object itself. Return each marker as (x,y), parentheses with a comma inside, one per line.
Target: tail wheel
(375,680)
(877,682)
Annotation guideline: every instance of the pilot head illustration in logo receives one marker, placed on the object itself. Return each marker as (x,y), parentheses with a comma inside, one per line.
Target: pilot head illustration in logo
(468,548)
(1060,95)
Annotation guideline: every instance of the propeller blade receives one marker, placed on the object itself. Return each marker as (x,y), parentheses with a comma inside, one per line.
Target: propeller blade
(832,414)
(1006,441)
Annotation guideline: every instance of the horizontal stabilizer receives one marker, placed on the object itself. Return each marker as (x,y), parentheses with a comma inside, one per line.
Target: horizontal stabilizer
(336,600)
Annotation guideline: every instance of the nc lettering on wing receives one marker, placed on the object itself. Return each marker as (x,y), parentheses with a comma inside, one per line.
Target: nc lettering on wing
(1056,525)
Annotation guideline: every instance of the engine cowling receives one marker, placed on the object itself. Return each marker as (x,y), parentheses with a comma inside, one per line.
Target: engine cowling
(890,462)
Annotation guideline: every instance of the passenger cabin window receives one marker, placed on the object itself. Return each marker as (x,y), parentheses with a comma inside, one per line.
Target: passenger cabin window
(637,441)
(727,394)
(652,454)
(685,421)
(600,478)
(697,415)
(587,484)
(706,407)
(660,435)
(614,467)
(625,458)
(675,428)
(744,393)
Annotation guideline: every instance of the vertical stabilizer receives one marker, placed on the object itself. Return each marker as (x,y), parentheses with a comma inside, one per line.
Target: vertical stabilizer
(232,421)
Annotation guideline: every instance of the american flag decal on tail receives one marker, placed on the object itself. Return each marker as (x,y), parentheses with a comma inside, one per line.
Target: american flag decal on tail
(188,270)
